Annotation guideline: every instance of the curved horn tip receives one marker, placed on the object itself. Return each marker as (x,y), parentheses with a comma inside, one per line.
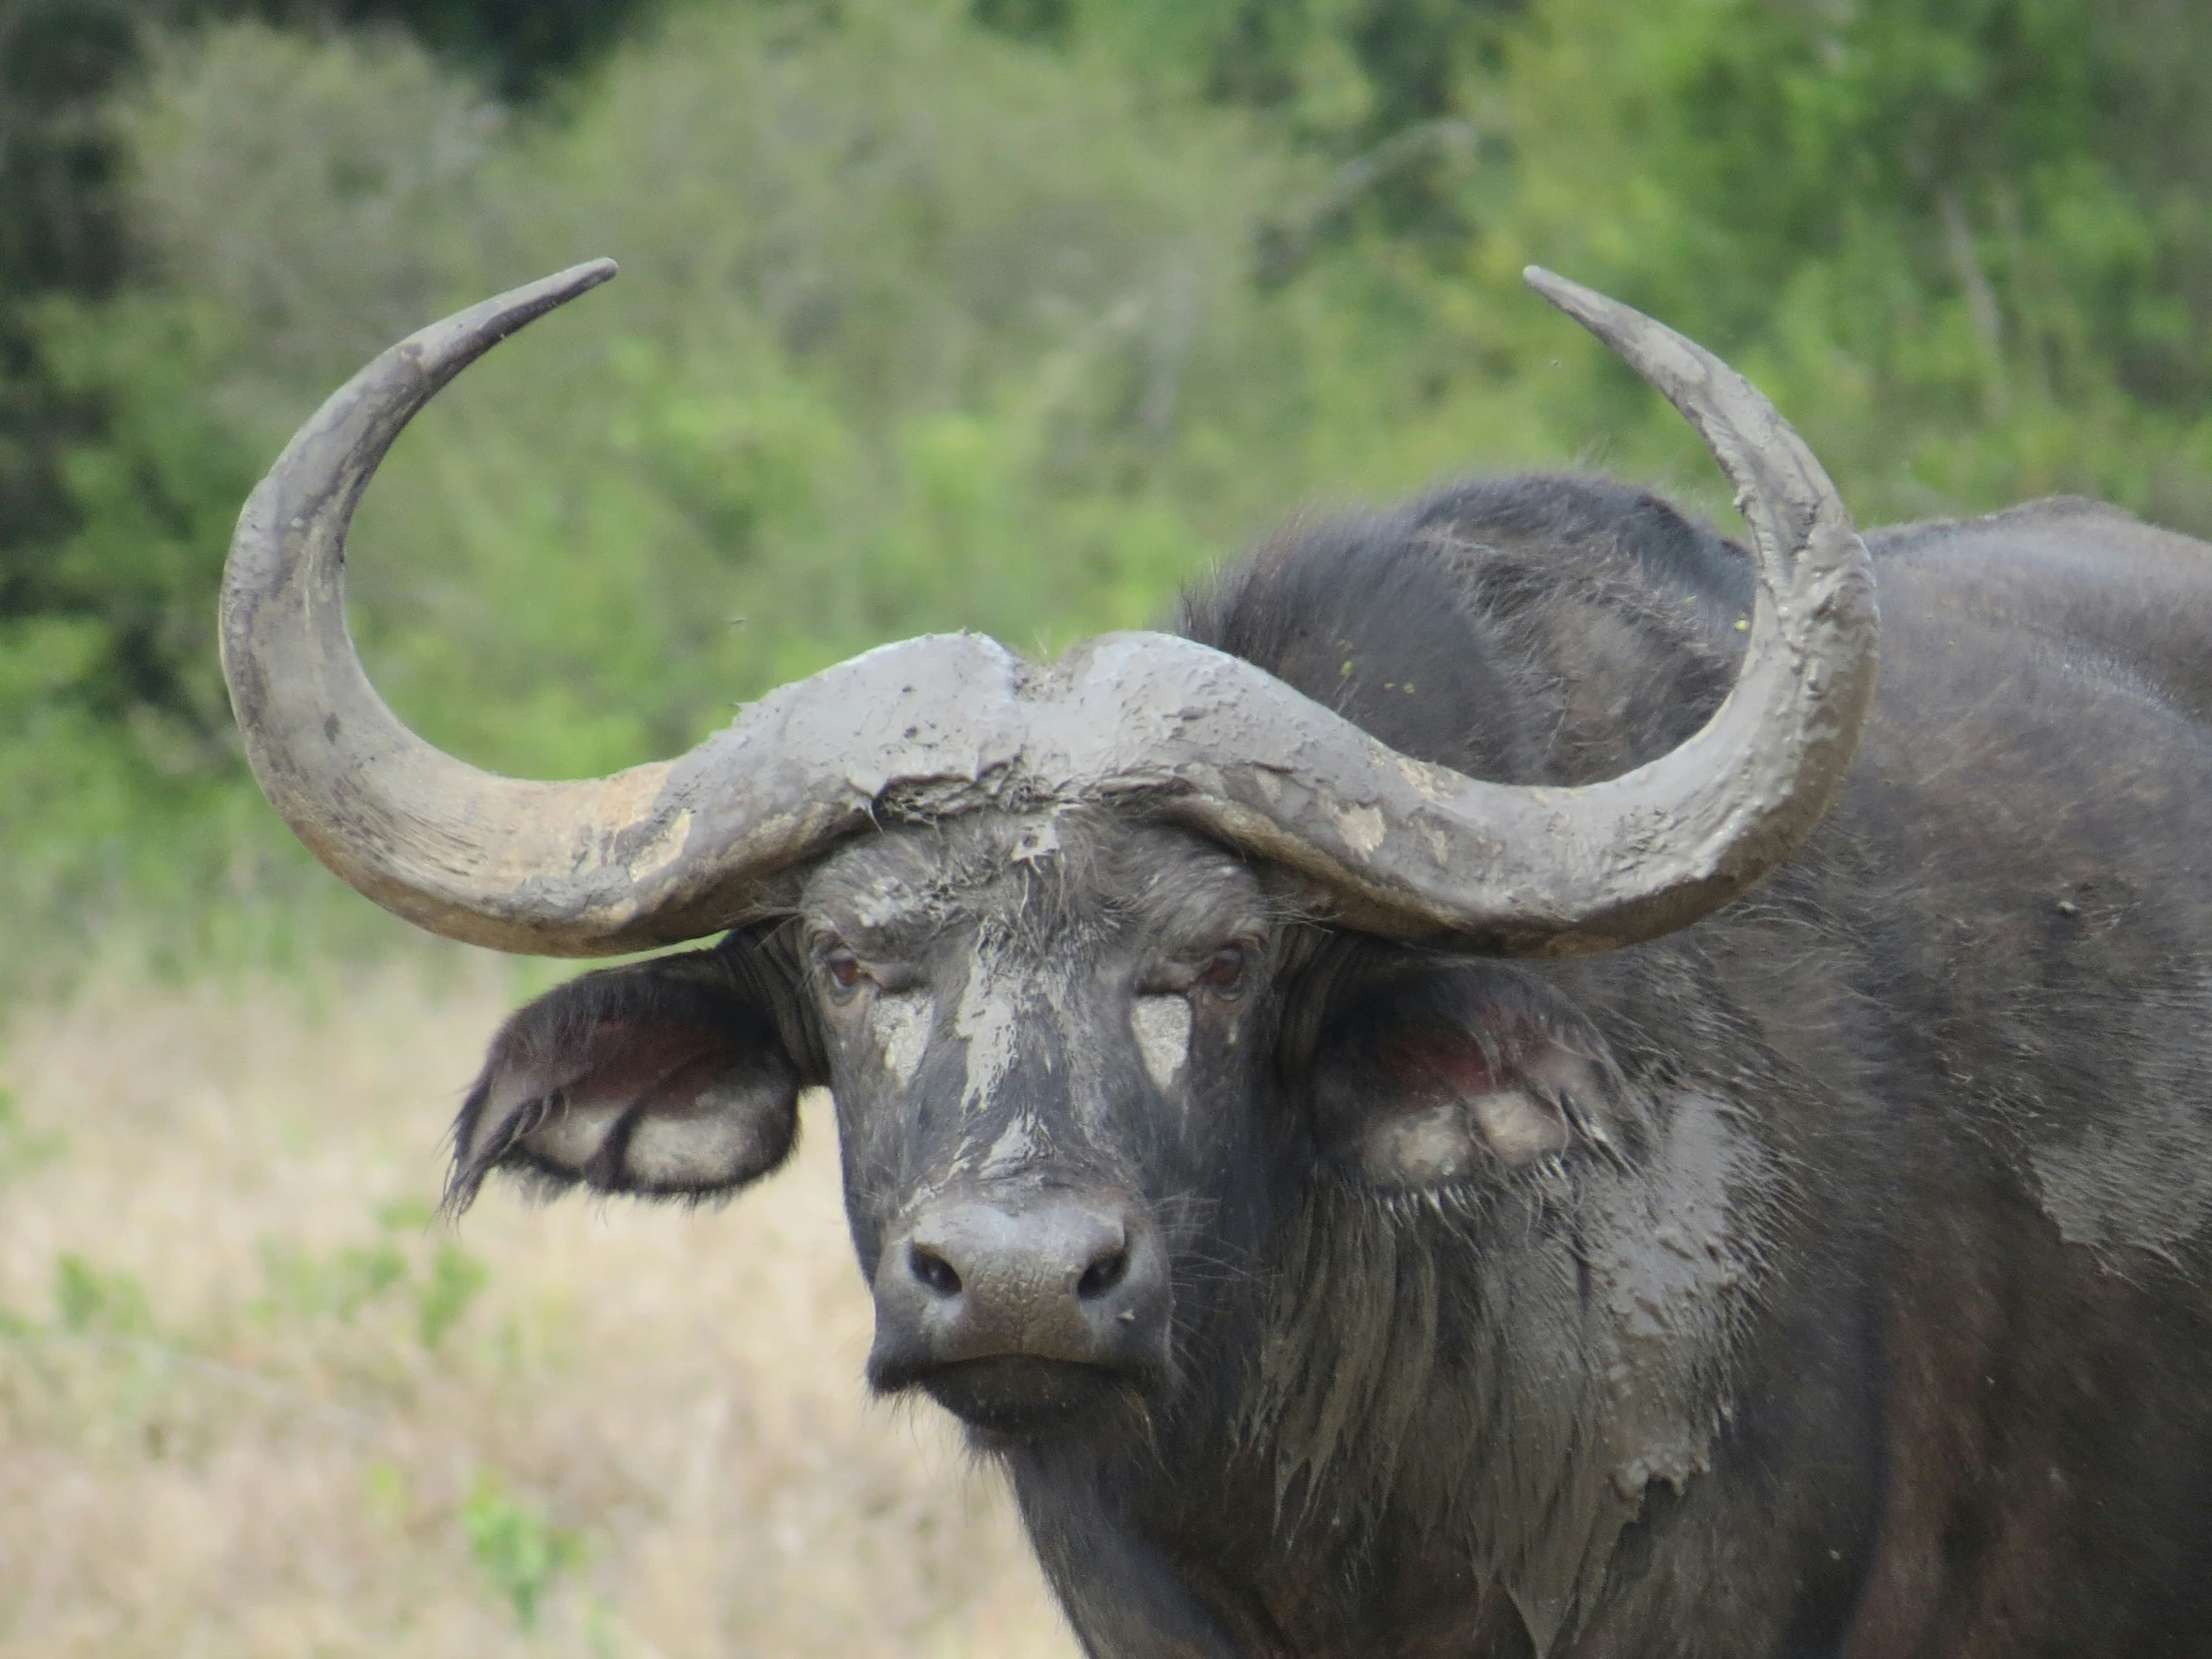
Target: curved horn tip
(518,305)
(1586,305)
(577,279)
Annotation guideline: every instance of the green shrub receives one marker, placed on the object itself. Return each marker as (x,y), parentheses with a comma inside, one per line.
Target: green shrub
(519,1551)
(89,1300)
(452,1282)
(305,1283)
(437,1279)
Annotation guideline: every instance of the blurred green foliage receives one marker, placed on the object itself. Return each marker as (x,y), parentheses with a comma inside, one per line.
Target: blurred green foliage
(65,209)
(436,1278)
(999,314)
(90,1300)
(454,1281)
(305,1283)
(24,1149)
(519,1551)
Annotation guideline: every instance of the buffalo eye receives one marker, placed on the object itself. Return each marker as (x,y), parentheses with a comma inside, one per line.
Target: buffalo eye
(1226,970)
(844,972)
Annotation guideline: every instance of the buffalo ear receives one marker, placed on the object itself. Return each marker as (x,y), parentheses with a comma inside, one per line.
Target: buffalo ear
(661,1077)
(1437,1072)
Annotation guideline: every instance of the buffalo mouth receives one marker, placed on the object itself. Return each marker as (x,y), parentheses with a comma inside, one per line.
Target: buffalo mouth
(1017,1397)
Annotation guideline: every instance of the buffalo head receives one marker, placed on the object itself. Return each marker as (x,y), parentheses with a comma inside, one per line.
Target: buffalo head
(1054,935)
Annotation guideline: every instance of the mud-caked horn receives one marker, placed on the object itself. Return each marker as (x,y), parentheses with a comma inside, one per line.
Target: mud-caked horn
(597,867)
(945,724)
(1535,870)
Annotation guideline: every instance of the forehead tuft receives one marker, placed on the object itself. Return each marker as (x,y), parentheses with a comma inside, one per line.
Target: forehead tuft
(1071,869)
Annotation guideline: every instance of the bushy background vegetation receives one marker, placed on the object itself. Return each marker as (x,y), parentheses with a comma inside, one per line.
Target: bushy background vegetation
(1005,314)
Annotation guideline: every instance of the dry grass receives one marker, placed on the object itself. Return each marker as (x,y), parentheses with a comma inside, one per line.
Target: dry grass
(253,1402)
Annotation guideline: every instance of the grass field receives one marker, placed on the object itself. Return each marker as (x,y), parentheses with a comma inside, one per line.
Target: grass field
(253,1400)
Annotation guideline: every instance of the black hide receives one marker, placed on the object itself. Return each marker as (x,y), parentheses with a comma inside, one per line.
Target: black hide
(1829,1279)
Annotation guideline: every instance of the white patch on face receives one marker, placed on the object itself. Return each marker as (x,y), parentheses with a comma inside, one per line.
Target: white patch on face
(1038,840)
(1163,1028)
(988,1018)
(1517,1127)
(882,904)
(1018,1145)
(900,1025)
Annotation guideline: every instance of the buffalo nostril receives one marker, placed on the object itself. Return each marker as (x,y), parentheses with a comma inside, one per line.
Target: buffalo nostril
(1103,1275)
(933,1270)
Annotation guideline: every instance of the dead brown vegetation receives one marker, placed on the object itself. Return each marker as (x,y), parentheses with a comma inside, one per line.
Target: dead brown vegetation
(253,1400)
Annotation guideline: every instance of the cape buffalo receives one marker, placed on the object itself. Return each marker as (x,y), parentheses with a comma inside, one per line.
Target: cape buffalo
(1437,1109)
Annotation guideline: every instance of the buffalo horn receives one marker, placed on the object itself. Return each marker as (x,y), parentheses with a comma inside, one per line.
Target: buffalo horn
(1546,871)
(945,724)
